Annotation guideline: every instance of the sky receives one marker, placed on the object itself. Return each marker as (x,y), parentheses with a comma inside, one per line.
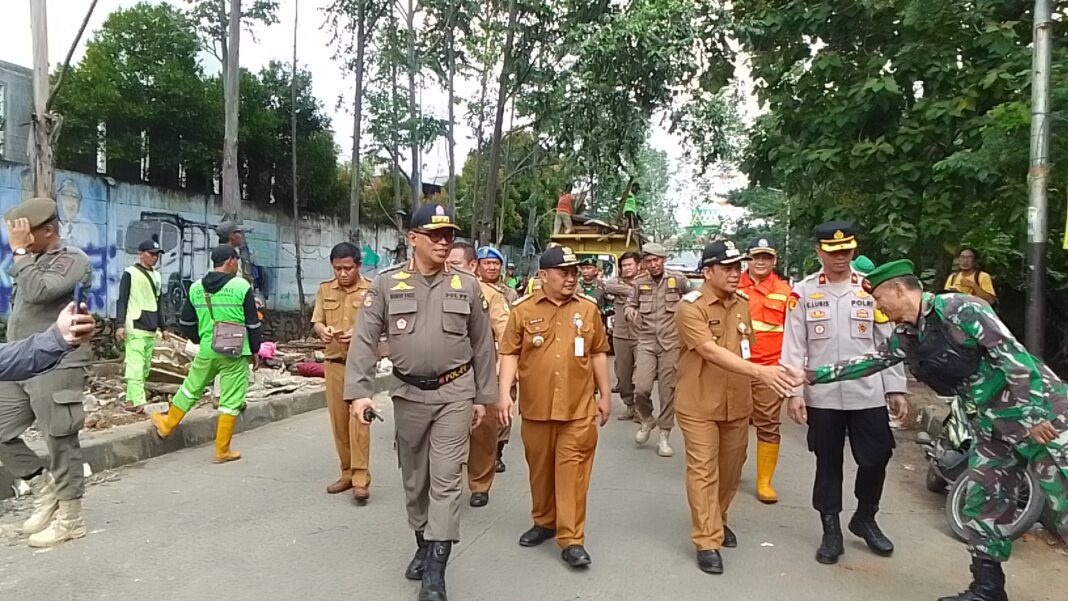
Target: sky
(329,83)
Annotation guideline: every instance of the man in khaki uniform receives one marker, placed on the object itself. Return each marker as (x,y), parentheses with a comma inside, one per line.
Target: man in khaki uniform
(651,308)
(624,342)
(444,364)
(556,343)
(715,397)
(488,270)
(46,272)
(336,304)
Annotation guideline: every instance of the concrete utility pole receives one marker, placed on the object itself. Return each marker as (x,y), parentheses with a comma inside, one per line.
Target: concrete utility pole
(1038,178)
(293,151)
(41,121)
(231,184)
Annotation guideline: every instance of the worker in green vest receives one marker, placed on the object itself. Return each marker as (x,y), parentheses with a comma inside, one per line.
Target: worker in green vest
(216,304)
(138,312)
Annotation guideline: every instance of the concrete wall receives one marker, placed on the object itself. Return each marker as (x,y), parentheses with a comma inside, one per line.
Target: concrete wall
(107,220)
(17,85)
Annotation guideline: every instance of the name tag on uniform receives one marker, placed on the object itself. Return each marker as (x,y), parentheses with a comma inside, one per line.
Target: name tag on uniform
(580,346)
(745,349)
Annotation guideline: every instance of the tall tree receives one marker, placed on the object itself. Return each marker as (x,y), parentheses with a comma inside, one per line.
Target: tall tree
(485,234)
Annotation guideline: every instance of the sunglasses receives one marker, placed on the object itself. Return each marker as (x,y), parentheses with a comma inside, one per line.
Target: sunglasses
(442,235)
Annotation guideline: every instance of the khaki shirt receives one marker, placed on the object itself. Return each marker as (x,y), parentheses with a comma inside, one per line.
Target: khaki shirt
(618,292)
(42,286)
(510,294)
(554,382)
(827,323)
(336,308)
(499,308)
(435,324)
(705,390)
(656,301)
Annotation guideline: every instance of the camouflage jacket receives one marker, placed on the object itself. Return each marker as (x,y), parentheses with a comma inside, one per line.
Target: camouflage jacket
(1011,390)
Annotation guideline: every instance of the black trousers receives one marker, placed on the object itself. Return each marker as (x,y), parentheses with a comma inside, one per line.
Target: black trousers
(872,444)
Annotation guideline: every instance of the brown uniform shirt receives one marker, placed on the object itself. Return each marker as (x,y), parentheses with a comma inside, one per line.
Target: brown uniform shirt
(42,287)
(656,301)
(555,384)
(618,291)
(436,324)
(498,308)
(336,308)
(705,390)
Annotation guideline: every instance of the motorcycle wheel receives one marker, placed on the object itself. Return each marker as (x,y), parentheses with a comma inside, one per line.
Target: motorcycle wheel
(934,481)
(1030,501)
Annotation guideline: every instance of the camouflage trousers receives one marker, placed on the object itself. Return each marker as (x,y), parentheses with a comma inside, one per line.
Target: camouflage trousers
(991,500)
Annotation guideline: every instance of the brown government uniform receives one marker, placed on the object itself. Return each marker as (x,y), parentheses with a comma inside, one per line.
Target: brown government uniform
(658,342)
(624,341)
(336,307)
(481,465)
(713,407)
(441,346)
(559,412)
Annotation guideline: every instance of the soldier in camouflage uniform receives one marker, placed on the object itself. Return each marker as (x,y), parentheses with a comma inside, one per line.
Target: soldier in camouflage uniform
(957,345)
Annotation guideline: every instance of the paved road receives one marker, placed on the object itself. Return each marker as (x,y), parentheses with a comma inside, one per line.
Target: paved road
(179,528)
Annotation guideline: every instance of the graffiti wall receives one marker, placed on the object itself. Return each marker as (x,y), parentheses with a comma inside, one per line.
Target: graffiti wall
(108,220)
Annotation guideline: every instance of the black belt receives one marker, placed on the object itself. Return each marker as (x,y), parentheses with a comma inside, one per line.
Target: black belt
(435,382)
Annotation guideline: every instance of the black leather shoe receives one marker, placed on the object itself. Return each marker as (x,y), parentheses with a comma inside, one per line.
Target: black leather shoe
(433,588)
(832,546)
(730,541)
(500,467)
(576,556)
(418,563)
(710,562)
(863,525)
(988,583)
(536,536)
(479,499)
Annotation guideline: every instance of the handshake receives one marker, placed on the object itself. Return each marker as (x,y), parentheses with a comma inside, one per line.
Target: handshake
(783,379)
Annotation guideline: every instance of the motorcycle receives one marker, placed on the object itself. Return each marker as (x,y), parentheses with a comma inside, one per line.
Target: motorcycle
(947,458)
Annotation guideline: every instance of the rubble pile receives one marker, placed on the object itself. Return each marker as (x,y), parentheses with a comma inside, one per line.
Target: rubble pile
(105,399)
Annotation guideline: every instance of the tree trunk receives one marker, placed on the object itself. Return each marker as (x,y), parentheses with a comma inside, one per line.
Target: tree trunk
(293,152)
(231,185)
(354,183)
(41,120)
(452,108)
(476,211)
(486,234)
(413,109)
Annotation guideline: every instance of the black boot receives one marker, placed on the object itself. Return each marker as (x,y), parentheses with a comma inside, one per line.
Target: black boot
(988,583)
(863,525)
(434,576)
(500,467)
(418,563)
(832,546)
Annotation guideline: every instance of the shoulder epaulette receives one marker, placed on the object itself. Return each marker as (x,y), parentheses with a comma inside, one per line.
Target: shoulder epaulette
(585,297)
(692,296)
(741,294)
(521,299)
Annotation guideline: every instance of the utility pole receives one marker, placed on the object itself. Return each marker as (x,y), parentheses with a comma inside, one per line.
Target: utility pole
(293,152)
(41,121)
(357,124)
(231,184)
(1038,178)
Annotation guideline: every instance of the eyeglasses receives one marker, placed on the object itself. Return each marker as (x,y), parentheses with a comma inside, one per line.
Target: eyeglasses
(436,236)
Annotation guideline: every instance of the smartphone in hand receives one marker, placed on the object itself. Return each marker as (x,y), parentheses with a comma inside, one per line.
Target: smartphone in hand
(81,303)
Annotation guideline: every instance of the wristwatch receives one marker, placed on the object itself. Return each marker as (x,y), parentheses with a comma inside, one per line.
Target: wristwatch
(19,252)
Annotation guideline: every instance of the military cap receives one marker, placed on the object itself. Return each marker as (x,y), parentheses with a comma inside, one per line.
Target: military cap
(511,265)
(38,211)
(888,271)
(433,217)
(862,265)
(836,235)
(558,256)
(149,246)
(652,249)
(222,253)
(488,252)
(228,228)
(590,260)
(761,245)
(721,252)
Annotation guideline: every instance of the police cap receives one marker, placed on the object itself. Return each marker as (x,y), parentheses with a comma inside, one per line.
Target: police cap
(38,211)
(433,217)
(836,235)
(557,256)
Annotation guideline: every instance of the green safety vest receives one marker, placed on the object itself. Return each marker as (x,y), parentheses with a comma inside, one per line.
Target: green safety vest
(144,294)
(228,304)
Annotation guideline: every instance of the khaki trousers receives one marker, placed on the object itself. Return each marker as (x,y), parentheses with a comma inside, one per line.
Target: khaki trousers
(433,442)
(658,365)
(715,454)
(767,413)
(560,461)
(625,349)
(482,463)
(351,438)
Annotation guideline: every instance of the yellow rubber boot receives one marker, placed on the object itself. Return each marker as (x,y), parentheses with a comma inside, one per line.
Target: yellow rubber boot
(767,459)
(165,424)
(223,433)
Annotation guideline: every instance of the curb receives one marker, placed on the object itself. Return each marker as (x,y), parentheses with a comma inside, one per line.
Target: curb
(128,444)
